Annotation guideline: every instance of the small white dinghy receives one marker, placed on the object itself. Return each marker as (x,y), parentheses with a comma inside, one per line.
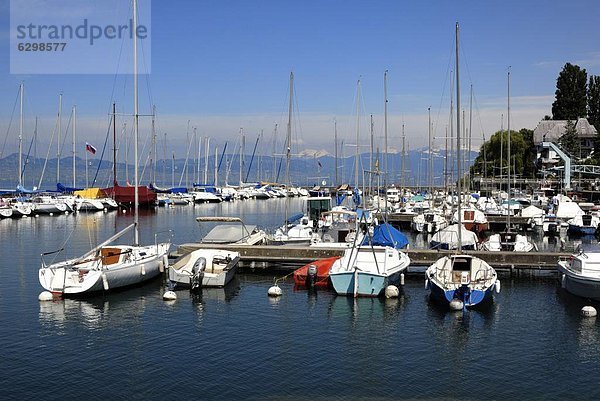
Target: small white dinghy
(204,268)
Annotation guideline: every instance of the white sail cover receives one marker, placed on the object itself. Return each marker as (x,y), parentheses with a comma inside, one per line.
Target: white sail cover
(449,235)
(532,211)
(568,210)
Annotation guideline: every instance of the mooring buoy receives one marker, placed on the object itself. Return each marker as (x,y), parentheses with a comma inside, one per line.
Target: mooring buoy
(391,291)
(169,296)
(275,291)
(588,311)
(45,296)
(456,304)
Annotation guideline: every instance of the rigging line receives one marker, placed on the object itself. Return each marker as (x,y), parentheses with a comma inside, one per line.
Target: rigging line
(48,153)
(64,138)
(10,123)
(448,73)
(103,150)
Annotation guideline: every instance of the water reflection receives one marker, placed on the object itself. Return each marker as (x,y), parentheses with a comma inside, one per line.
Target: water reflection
(364,309)
(116,309)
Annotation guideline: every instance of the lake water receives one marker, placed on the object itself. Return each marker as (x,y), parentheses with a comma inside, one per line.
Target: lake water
(237,343)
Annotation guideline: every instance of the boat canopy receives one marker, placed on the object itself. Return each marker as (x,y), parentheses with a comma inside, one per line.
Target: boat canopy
(174,190)
(532,211)
(294,217)
(90,193)
(227,234)
(386,235)
(61,188)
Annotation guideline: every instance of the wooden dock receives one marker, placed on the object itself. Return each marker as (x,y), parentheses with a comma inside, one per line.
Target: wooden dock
(288,257)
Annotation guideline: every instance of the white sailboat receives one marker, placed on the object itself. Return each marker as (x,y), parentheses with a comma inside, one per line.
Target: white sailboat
(508,240)
(106,266)
(460,280)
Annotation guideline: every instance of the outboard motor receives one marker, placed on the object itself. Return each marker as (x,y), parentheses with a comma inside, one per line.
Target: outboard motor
(311,276)
(198,273)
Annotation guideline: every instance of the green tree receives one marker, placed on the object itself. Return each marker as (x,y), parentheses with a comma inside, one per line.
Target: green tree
(571,94)
(593,101)
(569,141)
(522,149)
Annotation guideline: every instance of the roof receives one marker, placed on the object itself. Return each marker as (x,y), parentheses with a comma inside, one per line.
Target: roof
(551,130)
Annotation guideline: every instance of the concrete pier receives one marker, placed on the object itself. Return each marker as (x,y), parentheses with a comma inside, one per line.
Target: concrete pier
(292,256)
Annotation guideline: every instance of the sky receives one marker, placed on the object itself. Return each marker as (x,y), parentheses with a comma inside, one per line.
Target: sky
(222,66)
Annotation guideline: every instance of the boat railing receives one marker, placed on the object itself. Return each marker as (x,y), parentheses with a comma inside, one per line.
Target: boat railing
(44,264)
(165,235)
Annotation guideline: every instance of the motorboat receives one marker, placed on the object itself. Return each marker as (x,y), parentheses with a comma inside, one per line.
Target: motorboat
(583,224)
(233,231)
(314,274)
(473,220)
(550,224)
(204,268)
(580,272)
(464,278)
(508,241)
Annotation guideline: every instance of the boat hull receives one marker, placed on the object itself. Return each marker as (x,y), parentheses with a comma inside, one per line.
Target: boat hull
(69,280)
(369,284)
(470,298)
(581,230)
(181,274)
(322,278)
(581,286)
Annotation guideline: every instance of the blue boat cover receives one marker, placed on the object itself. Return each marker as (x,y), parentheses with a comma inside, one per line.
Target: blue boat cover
(22,190)
(386,235)
(295,217)
(61,188)
(175,190)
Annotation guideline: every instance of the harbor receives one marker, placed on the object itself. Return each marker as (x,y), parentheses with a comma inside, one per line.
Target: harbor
(240,322)
(284,202)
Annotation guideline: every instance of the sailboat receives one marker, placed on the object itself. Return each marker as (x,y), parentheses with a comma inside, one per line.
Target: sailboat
(127,195)
(460,280)
(106,266)
(371,265)
(508,240)
(298,229)
(376,261)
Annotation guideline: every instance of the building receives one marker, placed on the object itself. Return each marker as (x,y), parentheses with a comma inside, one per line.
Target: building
(552,130)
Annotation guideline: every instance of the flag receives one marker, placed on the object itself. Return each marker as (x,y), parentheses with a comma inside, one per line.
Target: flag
(90,148)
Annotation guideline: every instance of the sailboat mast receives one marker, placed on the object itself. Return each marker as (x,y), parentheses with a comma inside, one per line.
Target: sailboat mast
(335,144)
(430,159)
(136,127)
(58,138)
(470,139)
(357,155)
(385,132)
(508,152)
(403,166)
(19,167)
(458,183)
(371,159)
(114,116)
(154,155)
(74,131)
(206,155)
(288,154)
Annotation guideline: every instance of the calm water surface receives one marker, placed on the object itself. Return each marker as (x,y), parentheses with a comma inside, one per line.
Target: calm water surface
(237,343)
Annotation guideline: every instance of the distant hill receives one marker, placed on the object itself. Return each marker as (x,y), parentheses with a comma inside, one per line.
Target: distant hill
(306,170)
